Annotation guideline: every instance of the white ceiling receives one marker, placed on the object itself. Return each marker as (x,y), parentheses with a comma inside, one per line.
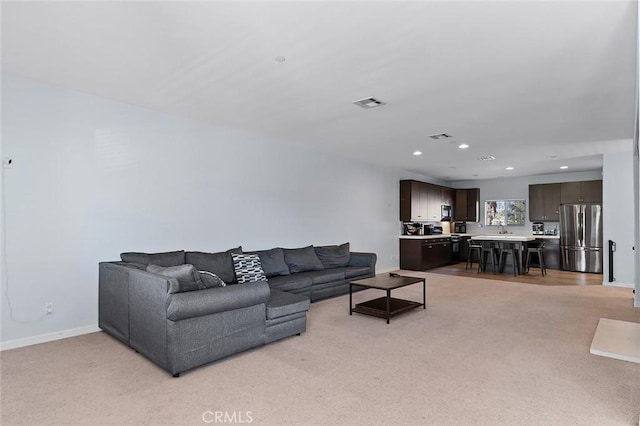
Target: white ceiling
(522,81)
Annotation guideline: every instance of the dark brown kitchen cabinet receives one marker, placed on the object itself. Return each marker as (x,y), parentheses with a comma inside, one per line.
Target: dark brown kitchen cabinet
(551,253)
(421,201)
(589,191)
(413,201)
(467,205)
(423,254)
(544,202)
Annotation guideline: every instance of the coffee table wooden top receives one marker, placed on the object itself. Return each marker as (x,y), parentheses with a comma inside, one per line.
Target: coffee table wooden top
(386,282)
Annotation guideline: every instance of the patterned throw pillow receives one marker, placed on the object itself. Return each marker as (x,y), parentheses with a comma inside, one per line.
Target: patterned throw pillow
(248,268)
(187,276)
(211,280)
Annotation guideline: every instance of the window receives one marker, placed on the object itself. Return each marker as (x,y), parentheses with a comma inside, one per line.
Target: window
(504,212)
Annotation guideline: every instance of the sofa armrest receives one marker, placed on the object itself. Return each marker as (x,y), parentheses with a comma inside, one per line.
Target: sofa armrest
(363,259)
(148,295)
(198,303)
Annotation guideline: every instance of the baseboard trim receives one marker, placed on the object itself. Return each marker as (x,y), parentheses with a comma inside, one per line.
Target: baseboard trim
(616,284)
(49,337)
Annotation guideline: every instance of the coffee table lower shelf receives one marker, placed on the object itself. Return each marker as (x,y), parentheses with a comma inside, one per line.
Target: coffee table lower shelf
(378,307)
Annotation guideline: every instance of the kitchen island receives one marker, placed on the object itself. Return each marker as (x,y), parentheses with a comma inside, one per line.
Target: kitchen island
(502,240)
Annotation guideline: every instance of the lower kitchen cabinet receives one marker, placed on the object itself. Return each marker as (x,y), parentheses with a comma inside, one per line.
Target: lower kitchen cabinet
(551,253)
(423,254)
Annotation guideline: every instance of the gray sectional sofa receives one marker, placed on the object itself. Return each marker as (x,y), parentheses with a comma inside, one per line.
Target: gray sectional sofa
(173,308)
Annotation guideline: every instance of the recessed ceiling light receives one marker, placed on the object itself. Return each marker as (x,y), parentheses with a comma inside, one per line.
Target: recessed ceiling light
(417,152)
(508,168)
(487,158)
(463,146)
(440,136)
(368,103)
(564,167)
(280,59)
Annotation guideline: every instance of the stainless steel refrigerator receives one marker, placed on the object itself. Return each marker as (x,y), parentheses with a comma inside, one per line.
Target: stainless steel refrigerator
(581,237)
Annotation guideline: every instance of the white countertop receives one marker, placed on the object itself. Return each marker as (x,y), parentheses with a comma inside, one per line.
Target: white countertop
(515,237)
(424,237)
(504,237)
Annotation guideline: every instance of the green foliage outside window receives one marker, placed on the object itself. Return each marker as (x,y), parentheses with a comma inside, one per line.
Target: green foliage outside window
(504,212)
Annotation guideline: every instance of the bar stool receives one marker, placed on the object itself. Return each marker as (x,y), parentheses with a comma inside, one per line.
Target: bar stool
(473,248)
(489,251)
(510,249)
(538,250)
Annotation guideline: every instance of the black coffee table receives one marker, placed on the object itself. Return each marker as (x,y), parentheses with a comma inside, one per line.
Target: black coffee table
(387,306)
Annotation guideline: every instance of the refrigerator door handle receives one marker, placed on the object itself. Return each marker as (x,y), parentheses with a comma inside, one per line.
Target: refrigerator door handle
(580,233)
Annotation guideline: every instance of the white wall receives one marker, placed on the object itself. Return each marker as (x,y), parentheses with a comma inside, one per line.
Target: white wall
(93,177)
(618,216)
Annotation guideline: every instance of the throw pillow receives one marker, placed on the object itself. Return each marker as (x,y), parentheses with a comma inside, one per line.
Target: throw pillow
(187,276)
(219,263)
(248,268)
(334,256)
(170,258)
(272,262)
(210,280)
(302,259)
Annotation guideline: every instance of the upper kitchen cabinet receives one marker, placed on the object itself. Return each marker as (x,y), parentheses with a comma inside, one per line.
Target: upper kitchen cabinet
(448,195)
(434,202)
(411,195)
(420,201)
(589,191)
(544,202)
(467,205)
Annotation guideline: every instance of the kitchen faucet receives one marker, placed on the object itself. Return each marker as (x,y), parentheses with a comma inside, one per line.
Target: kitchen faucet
(502,229)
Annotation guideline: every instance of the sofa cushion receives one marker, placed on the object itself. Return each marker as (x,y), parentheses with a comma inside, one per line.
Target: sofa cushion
(324,276)
(291,283)
(302,259)
(333,256)
(282,303)
(170,258)
(210,280)
(219,263)
(187,276)
(248,268)
(356,271)
(272,262)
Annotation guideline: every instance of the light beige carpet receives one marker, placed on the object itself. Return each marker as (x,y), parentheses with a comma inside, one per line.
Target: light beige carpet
(482,353)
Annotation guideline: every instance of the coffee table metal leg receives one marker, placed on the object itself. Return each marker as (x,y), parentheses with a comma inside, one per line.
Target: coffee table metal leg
(388,305)
(350,299)
(424,294)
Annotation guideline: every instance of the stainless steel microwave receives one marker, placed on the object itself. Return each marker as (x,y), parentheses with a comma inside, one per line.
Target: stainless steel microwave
(445,211)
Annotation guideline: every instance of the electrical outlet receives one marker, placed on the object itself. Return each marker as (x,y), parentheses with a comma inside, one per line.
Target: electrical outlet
(48,308)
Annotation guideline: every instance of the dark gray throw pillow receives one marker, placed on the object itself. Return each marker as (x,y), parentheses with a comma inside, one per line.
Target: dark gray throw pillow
(334,256)
(302,259)
(170,258)
(187,276)
(210,280)
(219,263)
(272,262)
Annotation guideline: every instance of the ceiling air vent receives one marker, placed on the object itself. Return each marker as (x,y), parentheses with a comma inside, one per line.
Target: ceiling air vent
(368,103)
(440,136)
(487,158)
